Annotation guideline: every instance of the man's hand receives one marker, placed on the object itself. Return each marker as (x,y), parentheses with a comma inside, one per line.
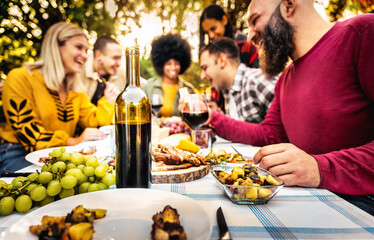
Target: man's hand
(88,134)
(111,92)
(292,165)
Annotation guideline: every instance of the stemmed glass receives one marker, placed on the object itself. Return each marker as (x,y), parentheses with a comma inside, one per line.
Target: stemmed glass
(156,101)
(194,112)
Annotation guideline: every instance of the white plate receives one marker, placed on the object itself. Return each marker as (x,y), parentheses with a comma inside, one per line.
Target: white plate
(34,157)
(109,129)
(129,214)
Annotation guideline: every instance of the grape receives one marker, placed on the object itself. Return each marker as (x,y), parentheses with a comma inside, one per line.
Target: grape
(17,185)
(59,166)
(38,193)
(93,162)
(75,172)
(81,167)
(33,176)
(6,206)
(100,171)
(68,182)
(89,171)
(23,203)
(62,149)
(83,188)
(102,186)
(109,179)
(46,200)
(55,153)
(70,166)
(30,187)
(91,179)
(3,184)
(104,164)
(77,158)
(66,193)
(45,168)
(45,177)
(65,157)
(2,194)
(93,187)
(54,188)
(83,179)
(19,179)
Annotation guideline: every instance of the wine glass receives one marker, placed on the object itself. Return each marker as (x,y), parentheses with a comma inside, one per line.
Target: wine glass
(156,101)
(194,112)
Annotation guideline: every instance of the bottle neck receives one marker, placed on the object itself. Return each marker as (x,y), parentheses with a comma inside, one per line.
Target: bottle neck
(132,68)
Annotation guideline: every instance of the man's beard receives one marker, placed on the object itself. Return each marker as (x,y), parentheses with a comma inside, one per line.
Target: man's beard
(278,45)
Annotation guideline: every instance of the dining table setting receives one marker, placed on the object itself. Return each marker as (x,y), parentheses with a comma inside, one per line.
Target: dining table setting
(204,208)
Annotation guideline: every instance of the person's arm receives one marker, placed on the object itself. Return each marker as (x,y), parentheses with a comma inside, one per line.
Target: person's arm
(91,116)
(270,131)
(348,171)
(19,105)
(351,171)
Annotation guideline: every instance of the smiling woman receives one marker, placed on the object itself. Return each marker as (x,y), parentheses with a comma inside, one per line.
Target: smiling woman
(171,56)
(43,102)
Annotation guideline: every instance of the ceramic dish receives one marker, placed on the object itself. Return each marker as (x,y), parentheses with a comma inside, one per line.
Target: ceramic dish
(129,214)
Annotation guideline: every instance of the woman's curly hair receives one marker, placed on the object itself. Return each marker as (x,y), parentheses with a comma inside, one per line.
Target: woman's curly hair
(170,46)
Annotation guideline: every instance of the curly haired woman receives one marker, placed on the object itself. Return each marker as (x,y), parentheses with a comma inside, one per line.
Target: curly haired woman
(171,56)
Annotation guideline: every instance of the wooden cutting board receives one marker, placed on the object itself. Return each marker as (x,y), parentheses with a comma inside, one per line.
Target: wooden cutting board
(180,176)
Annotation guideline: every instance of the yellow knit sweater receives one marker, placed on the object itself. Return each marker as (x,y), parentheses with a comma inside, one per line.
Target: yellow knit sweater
(37,119)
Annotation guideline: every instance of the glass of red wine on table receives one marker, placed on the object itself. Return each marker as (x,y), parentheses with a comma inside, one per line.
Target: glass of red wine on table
(156,101)
(194,112)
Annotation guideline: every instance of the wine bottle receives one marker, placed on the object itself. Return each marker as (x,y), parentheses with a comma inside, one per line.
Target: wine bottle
(133,129)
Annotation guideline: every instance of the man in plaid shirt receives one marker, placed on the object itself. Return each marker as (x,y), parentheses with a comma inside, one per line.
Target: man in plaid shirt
(248,93)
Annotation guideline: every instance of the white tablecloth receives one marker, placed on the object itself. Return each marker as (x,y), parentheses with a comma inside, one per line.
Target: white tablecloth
(294,213)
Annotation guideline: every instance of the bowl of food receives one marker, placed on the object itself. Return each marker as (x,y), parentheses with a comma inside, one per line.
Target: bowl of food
(246,184)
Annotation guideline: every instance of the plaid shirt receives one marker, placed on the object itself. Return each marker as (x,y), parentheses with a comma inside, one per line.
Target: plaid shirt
(252,93)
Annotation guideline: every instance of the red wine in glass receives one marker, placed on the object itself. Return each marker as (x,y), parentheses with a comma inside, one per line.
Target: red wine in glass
(195,120)
(194,110)
(156,101)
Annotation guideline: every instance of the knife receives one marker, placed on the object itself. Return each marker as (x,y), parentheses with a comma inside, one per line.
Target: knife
(15,174)
(223,230)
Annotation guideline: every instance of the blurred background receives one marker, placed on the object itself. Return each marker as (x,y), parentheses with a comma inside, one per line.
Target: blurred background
(131,22)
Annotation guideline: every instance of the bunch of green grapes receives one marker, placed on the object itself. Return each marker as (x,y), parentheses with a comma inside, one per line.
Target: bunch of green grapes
(65,175)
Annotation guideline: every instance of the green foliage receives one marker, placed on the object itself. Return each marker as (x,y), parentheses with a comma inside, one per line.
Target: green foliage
(170,9)
(336,8)
(25,22)
(192,75)
(146,69)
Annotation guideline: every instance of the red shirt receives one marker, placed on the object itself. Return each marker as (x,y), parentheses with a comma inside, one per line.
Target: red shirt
(324,104)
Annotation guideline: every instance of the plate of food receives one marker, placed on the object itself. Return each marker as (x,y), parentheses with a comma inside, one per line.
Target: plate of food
(246,184)
(221,156)
(171,164)
(40,157)
(109,129)
(133,213)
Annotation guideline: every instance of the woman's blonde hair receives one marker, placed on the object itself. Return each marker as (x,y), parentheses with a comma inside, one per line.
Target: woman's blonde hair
(50,58)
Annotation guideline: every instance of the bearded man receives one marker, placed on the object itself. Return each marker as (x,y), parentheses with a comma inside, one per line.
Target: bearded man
(319,130)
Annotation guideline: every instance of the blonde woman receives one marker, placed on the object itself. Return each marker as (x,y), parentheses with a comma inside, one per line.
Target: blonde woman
(43,101)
